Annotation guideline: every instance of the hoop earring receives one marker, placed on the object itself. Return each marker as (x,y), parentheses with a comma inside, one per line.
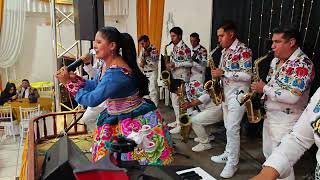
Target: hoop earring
(112,54)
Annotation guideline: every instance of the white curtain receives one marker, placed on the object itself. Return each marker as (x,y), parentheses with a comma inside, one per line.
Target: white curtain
(11,36)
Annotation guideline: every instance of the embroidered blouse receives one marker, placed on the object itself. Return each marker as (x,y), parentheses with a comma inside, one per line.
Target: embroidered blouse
(289,84)
(236,61)
(118,88)
(181,55)
(152,60)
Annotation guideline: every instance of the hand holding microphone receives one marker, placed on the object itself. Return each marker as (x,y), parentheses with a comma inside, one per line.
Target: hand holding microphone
(85,58)
(65,74)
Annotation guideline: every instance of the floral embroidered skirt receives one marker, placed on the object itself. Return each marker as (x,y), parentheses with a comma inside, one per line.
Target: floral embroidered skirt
(160,154)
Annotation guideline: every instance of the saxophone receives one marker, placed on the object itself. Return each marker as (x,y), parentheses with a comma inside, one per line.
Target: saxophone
(254,114)
(165,75)
(184,119)
(213,87)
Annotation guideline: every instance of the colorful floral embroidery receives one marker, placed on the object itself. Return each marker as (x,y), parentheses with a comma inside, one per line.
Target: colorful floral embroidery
(295,75)
(194,89)
(316,125)
(181,53)
(237,59)
(317,107)
(75,85)
(200,54)
(160,155)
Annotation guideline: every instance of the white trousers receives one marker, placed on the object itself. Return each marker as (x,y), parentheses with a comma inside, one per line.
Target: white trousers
(175,105)
(232,116)
(153,86)
(90,115)
(197,76)
(276,125)
(206,117)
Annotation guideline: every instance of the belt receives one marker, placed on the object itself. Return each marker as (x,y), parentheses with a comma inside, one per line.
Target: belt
(147,71)
(285,110)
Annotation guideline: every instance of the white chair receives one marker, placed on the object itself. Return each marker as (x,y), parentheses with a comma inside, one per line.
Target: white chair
(26,114)
(7,121)
(46,92)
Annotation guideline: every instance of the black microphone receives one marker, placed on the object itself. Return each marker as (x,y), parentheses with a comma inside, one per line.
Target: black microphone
(73,66)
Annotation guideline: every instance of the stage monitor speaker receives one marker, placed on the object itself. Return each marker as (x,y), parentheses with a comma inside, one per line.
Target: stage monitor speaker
(88,18)
(61,159)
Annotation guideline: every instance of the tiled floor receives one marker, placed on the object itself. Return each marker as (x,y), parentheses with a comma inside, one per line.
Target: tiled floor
(251,155)
(8,158)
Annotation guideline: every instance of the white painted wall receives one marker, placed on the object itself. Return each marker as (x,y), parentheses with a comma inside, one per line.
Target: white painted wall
(191,16)
(36,59)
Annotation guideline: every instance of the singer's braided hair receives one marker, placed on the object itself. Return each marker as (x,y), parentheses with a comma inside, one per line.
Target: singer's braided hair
(126,43)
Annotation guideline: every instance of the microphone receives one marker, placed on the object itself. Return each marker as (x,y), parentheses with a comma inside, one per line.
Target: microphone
(73,66)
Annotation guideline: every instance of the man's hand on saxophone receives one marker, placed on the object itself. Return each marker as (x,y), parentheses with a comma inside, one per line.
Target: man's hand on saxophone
(216,72)
(170,66)
(258,86)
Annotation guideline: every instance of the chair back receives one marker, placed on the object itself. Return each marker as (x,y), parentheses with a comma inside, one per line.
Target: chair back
(26,114)
(6,114)
(46,92)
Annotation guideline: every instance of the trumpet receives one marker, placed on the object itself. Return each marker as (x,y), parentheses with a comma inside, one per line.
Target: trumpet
(254,113)
(213,87)
(147,50)
(166,75)
(184,119)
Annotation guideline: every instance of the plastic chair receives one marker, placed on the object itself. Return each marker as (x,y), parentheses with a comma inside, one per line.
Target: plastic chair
(7,121)
(26,114)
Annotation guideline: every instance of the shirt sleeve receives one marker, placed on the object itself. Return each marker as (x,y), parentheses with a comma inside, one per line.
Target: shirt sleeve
(109,86)
(205,98)
(293,145)
(204,58)
(140,57)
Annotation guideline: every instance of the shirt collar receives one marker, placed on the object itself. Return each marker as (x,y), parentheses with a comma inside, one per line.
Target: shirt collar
(197,47)
(295,54)
(180,43)
(233,45)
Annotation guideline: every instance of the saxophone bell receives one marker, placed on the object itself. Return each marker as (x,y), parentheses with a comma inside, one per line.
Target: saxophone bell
(166,78)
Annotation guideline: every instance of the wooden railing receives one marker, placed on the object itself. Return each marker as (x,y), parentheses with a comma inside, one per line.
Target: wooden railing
(35,136)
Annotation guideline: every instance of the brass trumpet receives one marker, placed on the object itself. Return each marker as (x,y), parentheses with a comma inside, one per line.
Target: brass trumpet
(213,87)
(254,113)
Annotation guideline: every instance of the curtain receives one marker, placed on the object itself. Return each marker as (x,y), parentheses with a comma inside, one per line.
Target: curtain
(12,32)
(156,22)
(1,12)
(142,18)
(150,24)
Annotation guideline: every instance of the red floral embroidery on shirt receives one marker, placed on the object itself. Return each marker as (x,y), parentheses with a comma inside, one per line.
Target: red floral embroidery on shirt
(181,53)
(74,85)
(193,91)
(188,51)
(246,55)
(301,71)
(197,84)
(289,71)
(235,58)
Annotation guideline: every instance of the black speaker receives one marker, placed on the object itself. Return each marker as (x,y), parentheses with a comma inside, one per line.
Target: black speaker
(61,159)
(88,18)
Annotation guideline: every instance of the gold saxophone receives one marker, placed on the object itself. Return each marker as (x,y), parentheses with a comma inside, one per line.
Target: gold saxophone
(213,87)
(165,75)
(184,119)
(254,114)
